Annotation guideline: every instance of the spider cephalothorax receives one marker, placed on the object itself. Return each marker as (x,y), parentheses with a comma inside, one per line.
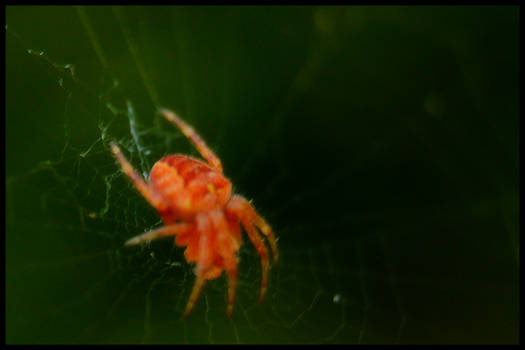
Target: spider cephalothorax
(195,202)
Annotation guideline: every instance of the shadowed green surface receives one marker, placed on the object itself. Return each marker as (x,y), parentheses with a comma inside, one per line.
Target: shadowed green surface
(381,143)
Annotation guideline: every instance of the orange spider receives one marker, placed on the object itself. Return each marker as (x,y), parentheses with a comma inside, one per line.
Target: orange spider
(195,202)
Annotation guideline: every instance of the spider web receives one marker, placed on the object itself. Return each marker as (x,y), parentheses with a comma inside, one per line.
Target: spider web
(277,94)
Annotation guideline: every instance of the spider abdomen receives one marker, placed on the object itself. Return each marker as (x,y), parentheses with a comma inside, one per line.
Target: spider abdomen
(189,186)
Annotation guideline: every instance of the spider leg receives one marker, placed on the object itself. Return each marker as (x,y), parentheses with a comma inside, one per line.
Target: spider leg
(197,286)
(267,231)
(246,214)
(203,260)
(137,180)
(228,247)
(262,251)
(232,285)
(190,133)
(159,232)
(261,224)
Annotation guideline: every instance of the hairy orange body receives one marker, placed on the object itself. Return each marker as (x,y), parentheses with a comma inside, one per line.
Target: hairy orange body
(190,188)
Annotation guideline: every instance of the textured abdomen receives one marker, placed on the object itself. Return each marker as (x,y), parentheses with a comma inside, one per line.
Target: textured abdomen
(189,185)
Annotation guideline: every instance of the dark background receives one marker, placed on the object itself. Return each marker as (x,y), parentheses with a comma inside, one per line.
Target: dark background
(381,143)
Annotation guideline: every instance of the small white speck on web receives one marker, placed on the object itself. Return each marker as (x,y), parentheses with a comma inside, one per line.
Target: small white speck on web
(337,298)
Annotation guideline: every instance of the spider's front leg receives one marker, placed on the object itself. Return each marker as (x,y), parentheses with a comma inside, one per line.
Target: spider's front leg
(190,133)
(152,197)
